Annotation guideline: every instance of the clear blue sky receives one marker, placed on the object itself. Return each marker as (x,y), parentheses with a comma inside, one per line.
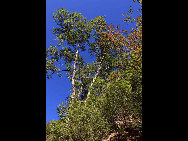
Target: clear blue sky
(57,89)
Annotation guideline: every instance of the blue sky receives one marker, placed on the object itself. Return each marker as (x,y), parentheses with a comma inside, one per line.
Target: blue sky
(57,89)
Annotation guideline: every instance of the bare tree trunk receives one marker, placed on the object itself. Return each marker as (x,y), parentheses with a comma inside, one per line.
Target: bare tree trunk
(96,75)
(73,75)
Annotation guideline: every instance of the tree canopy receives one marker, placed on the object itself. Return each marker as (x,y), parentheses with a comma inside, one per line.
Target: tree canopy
(106,94)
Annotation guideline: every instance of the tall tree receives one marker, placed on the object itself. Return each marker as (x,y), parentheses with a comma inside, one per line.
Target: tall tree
(111,86)
(106,48)
(74,30)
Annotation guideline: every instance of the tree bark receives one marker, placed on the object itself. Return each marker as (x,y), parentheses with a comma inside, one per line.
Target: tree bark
(73,75)
(96,75)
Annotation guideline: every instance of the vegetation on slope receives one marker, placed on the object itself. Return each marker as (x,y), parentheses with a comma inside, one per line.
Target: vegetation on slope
(106,96)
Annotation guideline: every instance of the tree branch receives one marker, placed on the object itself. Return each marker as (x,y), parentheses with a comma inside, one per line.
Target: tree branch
(64,70)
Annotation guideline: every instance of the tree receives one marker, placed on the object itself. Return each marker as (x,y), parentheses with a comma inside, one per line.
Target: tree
(107,93)
(74,30)
(106,48)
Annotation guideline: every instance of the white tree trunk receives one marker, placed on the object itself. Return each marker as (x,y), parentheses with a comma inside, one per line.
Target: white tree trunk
(96,75)
(73,75)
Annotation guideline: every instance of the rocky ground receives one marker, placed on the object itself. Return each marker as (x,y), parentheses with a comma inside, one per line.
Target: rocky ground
(127,135)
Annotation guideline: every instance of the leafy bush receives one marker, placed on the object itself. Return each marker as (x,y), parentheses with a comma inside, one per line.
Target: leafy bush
(83,121)
(118,107)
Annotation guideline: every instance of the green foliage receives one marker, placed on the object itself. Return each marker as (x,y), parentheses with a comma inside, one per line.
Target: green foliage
(83,121)
(118,106)
(54,130)
(121,101)
(73,27)
(108,92)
